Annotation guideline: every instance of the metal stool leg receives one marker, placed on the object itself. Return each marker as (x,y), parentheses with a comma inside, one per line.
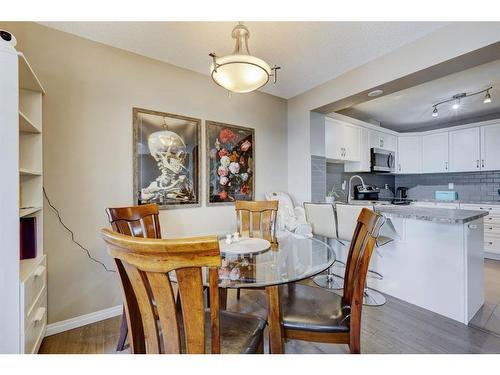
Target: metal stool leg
(371,297)
(330,280)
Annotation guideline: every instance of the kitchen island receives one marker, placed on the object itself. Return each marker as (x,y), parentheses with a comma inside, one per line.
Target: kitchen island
(435,260)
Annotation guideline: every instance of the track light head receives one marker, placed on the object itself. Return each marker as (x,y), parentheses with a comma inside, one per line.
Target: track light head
(487,97)
(435,112)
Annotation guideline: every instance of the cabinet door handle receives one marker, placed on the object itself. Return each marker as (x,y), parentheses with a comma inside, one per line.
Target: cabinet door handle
(39,271)
(399,167)
(381,143)
(477,163)
(446,165)
(482,163)
(472,226)
(40,313)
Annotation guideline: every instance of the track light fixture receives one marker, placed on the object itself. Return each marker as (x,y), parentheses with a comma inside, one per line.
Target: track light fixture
(457,99)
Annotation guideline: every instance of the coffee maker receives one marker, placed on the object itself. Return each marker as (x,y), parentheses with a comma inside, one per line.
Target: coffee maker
(401,193)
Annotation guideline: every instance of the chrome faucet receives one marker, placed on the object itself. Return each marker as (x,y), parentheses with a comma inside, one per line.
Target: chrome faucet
(349,187)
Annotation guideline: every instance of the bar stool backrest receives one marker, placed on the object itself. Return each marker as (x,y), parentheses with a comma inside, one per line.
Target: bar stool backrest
(347,215)
(322,218)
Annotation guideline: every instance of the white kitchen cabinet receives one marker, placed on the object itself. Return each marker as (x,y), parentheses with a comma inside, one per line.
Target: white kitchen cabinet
(383,140)
(409,154)
(342,141)
(490,147)
(464,155)
(363,165)
(435,153)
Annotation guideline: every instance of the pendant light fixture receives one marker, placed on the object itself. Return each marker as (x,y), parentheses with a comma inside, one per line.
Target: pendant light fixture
(457,99)
(241,72)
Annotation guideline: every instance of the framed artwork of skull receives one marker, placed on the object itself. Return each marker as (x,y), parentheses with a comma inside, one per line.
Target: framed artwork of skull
(230,163)
(167,159)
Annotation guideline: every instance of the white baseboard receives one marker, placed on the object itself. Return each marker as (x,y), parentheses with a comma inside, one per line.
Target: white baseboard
(83,320)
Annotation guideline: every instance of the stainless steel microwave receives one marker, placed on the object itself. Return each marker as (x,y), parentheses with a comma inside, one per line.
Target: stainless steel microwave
(382,160)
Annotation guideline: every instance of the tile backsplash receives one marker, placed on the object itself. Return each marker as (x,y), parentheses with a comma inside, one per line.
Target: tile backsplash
(470,186)
(325,175)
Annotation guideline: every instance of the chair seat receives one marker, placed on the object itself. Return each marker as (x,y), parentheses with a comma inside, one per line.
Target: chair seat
(239,333)
(313,309)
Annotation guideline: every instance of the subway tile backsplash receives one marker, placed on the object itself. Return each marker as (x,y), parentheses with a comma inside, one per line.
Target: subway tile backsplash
(470,186)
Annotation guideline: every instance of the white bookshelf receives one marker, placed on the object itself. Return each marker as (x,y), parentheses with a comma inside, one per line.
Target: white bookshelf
(32,273)
(23,314)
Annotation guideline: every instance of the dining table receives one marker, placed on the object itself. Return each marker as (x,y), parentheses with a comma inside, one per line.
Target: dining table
(292,258)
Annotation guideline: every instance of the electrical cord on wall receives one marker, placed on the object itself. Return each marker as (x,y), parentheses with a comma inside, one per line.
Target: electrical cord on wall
(73,235)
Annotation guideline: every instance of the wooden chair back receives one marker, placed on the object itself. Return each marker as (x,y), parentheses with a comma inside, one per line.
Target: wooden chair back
(257,219)
(143,265)
(362,244)
(135,221)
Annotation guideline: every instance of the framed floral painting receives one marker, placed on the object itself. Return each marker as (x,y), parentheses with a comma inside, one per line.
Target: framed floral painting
(167,159)
(230,163)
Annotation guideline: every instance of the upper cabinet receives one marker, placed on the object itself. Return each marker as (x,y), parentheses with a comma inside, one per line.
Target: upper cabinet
(363,165)
(464,155)
(409,154)
(435,153)
(383,140)
(490,147)
(342,141)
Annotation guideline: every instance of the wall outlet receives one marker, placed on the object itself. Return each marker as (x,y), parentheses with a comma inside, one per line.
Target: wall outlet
(451,185)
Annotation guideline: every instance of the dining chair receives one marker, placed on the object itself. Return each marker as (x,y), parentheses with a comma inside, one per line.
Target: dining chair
(346,219)
(314,314)
(136,221)
(255,219)
(155,324)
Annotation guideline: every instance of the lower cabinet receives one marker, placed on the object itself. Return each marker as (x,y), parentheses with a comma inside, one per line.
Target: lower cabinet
(491,227)
(34,306)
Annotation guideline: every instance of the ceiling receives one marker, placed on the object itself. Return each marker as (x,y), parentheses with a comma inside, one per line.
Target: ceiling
(309,53)
(411,109)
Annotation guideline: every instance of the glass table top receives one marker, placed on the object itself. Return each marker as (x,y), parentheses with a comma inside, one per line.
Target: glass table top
(294,258)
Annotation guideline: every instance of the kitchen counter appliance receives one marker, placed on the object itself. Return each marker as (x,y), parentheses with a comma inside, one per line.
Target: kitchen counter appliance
(382,161)
(366,192)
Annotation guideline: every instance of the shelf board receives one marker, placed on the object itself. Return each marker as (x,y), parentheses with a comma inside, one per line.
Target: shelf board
(28,172)
(28,211)
(27,77)
(25,124)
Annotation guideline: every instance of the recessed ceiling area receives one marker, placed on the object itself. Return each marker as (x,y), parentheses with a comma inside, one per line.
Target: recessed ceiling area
(411,109)
(309,53)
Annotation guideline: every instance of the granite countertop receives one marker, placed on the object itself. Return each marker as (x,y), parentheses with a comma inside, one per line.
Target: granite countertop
(458,201)
(439,215)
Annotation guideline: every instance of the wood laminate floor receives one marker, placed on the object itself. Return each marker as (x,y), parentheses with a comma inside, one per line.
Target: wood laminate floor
(396,327)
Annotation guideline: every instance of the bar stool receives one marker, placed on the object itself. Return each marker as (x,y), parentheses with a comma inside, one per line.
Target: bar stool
(347,215)
(322,218)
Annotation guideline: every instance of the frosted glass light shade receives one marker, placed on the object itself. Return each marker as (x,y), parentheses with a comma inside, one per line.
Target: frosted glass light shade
(240,73)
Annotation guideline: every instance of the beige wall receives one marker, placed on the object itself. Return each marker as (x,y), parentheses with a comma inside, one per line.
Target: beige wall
(91,89)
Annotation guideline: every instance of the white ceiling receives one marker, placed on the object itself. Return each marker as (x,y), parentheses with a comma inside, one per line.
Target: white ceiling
(310,53)
(411,108)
